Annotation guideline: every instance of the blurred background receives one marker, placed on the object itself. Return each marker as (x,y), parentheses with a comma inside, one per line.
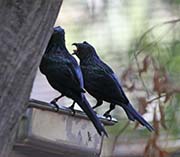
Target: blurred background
(140,40)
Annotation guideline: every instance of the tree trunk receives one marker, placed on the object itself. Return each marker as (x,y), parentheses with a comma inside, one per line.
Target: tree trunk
(25,29)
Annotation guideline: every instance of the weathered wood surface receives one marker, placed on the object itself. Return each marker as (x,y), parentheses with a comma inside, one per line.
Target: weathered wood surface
(43,132)
(24,32)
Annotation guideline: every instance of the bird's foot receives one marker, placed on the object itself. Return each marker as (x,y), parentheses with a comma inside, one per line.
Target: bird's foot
(56,107)
(108,116)
(72,110)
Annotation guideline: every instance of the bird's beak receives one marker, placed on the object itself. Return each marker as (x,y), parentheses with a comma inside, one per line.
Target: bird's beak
(75,44)
(75,51)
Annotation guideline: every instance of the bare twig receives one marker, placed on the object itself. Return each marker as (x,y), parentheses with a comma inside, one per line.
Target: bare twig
(158,25)
(141,79)
(156,98)
(117,136)
(152,43)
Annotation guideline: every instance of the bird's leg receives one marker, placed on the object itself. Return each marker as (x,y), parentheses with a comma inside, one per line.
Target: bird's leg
(99,103)
(55,100)
(107,113)
(72,108)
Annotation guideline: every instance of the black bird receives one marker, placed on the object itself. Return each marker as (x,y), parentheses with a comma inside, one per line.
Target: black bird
(101,82)
(64,75)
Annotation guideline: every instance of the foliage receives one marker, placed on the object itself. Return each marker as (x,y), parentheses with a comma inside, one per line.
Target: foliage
(157,71)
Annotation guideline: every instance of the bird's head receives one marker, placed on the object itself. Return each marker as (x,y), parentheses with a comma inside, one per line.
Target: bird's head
(83,50)
(58,30)
(58,34)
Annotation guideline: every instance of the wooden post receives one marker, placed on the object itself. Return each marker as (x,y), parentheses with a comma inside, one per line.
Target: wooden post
(25,29)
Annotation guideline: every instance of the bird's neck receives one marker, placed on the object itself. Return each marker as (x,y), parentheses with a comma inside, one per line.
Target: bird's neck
(60,44)
(89,59)
(56,47)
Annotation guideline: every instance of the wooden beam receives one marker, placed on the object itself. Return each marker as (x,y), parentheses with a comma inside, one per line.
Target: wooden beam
(25,27)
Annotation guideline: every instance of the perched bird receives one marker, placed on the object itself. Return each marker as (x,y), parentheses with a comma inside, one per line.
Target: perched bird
(101,82)
(64,75)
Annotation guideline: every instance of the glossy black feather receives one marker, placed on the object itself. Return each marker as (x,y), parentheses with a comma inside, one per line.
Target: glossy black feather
(102,83)
(64,75)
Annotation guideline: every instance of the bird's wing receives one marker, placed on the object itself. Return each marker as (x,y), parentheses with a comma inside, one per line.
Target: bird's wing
(61,70)
(77,71)
(114,79)
(103,82)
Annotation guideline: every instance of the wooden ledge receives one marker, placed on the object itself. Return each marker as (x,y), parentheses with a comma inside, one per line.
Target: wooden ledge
(45,132)
(65,110)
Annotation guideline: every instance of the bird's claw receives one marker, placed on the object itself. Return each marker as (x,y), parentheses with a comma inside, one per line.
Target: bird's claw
(108,116)
(56,107)
(72,110)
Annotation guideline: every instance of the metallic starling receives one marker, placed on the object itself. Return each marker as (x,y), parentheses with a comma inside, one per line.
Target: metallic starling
(101,82)
(64,75)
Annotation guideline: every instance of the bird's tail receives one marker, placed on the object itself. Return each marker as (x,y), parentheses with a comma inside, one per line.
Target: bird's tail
(134,115)
(84,104)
